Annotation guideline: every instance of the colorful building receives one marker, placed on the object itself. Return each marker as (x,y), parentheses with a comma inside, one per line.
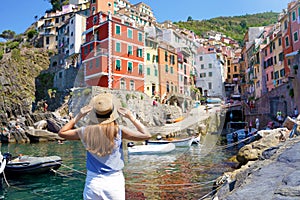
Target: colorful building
(168,73)
(113,53)
(151,67)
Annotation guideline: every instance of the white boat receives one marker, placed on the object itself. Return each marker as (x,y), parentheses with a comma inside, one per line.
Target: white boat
(151,149)
(186,142)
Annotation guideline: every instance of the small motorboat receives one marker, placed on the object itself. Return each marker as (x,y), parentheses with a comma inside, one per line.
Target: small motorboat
(24,164)
(186,142)
(151,149)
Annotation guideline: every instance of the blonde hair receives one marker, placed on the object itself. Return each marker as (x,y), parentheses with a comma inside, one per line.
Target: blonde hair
(100,138)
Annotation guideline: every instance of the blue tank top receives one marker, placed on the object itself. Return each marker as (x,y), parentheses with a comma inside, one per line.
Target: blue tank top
(109,163)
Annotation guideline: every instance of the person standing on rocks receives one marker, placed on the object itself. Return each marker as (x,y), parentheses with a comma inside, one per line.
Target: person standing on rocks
(257,123)
(102,139)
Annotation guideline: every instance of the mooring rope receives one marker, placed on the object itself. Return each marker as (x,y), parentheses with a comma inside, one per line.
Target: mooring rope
(171,185)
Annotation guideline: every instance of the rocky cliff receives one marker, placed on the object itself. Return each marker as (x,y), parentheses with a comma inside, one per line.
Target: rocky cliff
(19,70)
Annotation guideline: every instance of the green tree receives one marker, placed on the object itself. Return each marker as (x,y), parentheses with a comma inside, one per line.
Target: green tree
(189,19)
(8,35)
(243,24)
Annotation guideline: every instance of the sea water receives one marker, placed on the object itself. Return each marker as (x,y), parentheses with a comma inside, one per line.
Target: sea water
(185,173)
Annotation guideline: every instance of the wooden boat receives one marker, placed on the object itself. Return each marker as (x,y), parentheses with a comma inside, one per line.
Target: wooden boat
(151,149)
(32,165)
(178,142)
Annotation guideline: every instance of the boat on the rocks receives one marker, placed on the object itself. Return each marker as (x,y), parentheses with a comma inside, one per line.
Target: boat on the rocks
(240,134)
(185,142)
(151,149)
(24,164)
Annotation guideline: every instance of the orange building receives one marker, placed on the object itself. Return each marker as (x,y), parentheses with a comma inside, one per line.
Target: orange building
(113,53)
(168,72)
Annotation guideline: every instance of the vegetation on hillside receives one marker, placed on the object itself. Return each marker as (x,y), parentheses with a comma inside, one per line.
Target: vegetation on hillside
(234,27)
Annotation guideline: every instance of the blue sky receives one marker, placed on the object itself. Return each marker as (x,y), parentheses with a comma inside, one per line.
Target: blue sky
(17,15)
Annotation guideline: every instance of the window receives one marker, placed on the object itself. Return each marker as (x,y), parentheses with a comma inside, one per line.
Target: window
(140,37)
(148,71)
(47,40)
(171,70)
(209,85)
(166,56)
(129,33)
(285,24)
(279,41)
(209,65)
(166,68)
(235,68)
(122,84)
(140,53)
(140,69)
(131,85)
(118,47)
(201,58)
(287,41)
(281,57)
(91,47)
(97,62)
(118,65)
(118,29)
(228,69)
(129,50)
(282,74)
(95,19)
(155,72)
(129,67)
(148,56)
(293,16)
(295,36)
(202,66)
(210,74)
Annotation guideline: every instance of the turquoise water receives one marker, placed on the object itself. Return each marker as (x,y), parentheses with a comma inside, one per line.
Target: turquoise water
(186,173)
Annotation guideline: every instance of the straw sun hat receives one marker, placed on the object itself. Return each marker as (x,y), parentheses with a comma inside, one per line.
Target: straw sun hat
(104,109)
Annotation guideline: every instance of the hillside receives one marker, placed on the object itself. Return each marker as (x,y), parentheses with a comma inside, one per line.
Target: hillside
(19,69)
(234,27)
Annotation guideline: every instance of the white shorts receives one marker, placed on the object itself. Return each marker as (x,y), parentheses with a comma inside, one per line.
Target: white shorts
(108,186)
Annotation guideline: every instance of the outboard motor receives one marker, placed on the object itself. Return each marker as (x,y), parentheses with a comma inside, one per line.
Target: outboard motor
(130,144)
(7,156)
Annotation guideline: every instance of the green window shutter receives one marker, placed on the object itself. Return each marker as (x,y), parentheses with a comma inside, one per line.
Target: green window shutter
(148,56)
(129,67)
(118,65)
(118,47)
(118,30)
(140,37)
(140,69)
(129,33)
(148,71)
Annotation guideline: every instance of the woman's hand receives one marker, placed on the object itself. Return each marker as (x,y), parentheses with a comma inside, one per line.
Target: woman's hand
(126,113)
(83,112)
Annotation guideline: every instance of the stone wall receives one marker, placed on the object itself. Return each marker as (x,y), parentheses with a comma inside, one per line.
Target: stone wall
(267,106)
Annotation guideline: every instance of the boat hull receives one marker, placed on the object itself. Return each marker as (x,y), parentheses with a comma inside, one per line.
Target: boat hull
(151,149)
(32,165)
(178,142)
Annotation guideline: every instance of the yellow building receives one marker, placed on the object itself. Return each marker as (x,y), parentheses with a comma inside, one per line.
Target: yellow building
(151,68)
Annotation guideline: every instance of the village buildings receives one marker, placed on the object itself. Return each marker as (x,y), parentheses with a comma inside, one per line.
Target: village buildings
(121,46)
